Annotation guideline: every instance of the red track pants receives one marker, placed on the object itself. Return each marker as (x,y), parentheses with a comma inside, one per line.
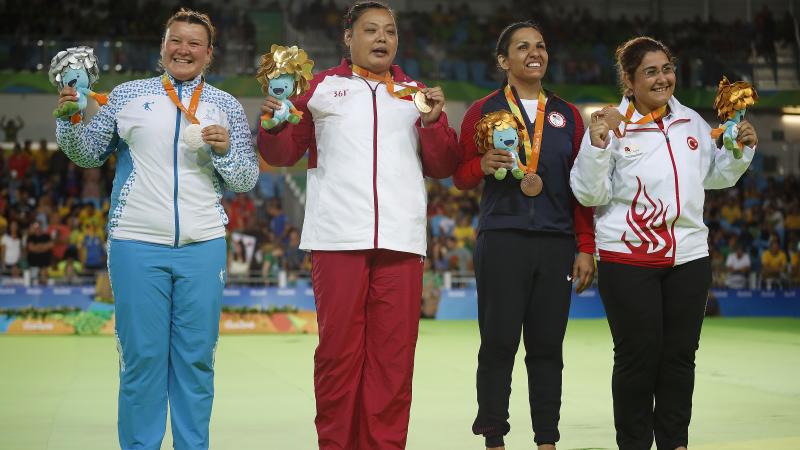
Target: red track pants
(368,308)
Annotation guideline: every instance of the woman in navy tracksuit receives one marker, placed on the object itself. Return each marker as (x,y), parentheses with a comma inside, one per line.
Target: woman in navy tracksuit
(525,260)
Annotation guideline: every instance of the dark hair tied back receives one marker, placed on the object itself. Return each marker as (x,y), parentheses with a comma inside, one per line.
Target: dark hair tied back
(359,8)
(504,41)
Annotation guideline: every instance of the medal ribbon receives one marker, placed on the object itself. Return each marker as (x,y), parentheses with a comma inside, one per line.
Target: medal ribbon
(652,117)
(174,97)
(532,150)
(387,79)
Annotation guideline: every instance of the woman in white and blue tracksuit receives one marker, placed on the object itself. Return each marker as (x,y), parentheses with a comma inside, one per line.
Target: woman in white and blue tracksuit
(167,252)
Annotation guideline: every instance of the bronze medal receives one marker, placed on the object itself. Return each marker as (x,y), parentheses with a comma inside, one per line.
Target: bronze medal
(531,185)
(422,103)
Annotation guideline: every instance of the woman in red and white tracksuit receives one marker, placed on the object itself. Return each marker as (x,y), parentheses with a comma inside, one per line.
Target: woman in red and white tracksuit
(647,182)
(369,149)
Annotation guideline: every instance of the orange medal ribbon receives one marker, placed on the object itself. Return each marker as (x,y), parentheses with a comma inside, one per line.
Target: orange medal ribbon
(387,79)
(532,149)
(192,104)
(652,117)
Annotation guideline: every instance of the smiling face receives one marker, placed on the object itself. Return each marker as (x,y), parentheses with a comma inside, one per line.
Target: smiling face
(527,57)
(505,139)
(281,87)
(185,51)
(653,82)
(373,40)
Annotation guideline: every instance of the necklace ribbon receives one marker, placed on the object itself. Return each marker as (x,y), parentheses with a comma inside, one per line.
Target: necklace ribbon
(532,149)
(192,104)
(386,79)
(652,117)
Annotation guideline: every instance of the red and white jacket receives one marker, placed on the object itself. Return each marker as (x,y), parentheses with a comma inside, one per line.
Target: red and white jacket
(648,187)
(368,153)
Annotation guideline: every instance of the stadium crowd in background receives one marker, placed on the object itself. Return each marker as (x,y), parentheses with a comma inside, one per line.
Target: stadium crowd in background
(43,186)
(37,185)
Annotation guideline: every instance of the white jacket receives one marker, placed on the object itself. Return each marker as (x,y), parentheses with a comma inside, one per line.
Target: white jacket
(648,187)
(368,155)
(164,193)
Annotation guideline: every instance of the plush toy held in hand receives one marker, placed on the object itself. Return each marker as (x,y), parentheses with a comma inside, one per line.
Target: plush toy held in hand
(283,73)
(76,67)
(500,130)
(731,105)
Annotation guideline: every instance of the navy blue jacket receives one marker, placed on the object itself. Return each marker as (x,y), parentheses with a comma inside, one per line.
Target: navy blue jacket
(503,205)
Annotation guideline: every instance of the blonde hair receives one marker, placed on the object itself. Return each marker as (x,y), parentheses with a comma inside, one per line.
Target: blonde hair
(191,16)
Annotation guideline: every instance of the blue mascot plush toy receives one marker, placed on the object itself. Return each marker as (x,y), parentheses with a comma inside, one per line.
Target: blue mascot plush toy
(500,130)
(283,73)
(731,105)
(76,67)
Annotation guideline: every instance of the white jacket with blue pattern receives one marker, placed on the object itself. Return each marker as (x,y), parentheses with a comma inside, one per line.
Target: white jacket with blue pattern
(164,193)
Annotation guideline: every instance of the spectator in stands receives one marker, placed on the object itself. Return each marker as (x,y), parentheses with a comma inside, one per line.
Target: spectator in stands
(738,265)
(525,257)
(92,250)
(792,220)
(12,249)
(18,163)
(773,265)
(653,274)
(91,215)
(365,225)
(40,253)
(167,251)
(238,267)
(68,270)
(464,233)
(11,127)
(41,158)
(271,258)
(732,212)
(278,219)
(242,209)
(59,232)
(719,274)
(458,258)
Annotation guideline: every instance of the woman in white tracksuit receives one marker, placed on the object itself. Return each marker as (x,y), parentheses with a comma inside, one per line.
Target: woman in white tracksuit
(166,230)
(647,182)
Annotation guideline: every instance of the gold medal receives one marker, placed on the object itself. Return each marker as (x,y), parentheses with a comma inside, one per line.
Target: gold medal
(422,103)
(531,185)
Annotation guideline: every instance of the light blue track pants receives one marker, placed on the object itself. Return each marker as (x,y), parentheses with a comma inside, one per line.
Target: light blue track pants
(168,303)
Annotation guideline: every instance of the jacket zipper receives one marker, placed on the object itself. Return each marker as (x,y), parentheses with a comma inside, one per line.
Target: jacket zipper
(375,161)
(677,190)
(175,169)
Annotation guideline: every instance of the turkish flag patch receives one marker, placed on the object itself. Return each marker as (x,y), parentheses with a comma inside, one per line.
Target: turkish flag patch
(692,142)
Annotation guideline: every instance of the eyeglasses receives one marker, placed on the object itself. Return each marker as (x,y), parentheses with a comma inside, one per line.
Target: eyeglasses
(652,72)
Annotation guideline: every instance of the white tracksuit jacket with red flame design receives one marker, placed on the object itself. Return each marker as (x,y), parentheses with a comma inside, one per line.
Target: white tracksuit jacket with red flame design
(648,187)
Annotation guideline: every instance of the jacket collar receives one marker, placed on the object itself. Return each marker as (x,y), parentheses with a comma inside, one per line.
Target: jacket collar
(190,84)
(676,109)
